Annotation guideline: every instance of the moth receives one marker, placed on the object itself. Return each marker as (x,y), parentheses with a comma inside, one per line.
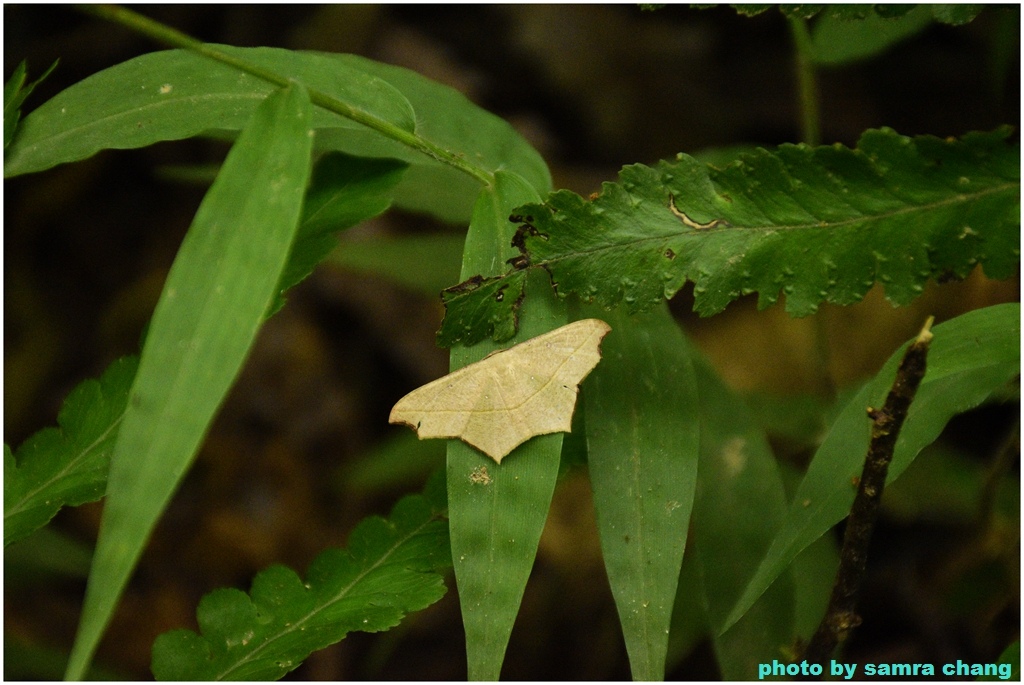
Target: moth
(508,397)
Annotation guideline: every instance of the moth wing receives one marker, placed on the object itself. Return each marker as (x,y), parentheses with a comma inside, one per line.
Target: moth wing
(510,396)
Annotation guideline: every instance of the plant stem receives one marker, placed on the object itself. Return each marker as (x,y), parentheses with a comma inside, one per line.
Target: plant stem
(175,38)
(841,616)
(810,131)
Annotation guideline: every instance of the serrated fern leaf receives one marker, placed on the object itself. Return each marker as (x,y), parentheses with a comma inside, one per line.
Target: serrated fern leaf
(388,570)
(483,304)
(946,14)
(66,465)
(819,224)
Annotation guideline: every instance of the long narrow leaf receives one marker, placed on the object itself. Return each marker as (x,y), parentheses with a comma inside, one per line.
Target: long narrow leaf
(642,447)
(447,118)
(740,505)
(15,94)
(343,191)
(68,465)
(425,264)
(970,357)
(213,303)
(175,94)
(497,512)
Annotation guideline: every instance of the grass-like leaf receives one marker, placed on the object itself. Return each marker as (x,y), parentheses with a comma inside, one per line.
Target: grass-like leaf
(388,570)
(740,505)
(216,295)
(1010,656)
(643,442)
(343,191)
(497,512)
(838,40)
(175,94)
(819,224)
(66,465)
(970,357)
(424,264)
(448,119)
(15,94)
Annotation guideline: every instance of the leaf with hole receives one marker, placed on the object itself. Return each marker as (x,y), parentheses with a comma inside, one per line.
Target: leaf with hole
(818,224)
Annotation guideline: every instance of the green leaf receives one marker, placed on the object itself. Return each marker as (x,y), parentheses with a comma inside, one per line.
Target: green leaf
(424,263)
(840,41)
(801,11)
(448,119)
(217,292)
(947,14)
(1010,657)
(813,574)
(401,462)
(496,521)
(971,356)
(955,13)
(177,94)
(642,444)
(388,570)
(944,486)
(15,94)
(486,307)
(751,10)
(25,660)
(740,505)
(343,191)
(818,224)
(689,615)
(44,557)
(66,465)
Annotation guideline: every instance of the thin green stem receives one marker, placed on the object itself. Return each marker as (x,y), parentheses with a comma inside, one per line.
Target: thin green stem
(810,131)
(169,36)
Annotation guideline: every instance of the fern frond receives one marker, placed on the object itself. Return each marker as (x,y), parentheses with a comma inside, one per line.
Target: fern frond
(388,570)
(66,465)
(819,224)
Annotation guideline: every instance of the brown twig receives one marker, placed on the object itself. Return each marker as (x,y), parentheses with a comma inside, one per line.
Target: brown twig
(841,616)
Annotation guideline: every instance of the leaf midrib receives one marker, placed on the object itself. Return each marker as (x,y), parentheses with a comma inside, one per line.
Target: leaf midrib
(70,466)
(298,625)
(692,233)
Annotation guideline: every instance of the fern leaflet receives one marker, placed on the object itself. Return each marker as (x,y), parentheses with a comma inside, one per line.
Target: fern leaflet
(389,569)
(819,224)
(66,465)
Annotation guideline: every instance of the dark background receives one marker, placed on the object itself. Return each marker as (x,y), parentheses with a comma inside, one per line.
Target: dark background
(87,247)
